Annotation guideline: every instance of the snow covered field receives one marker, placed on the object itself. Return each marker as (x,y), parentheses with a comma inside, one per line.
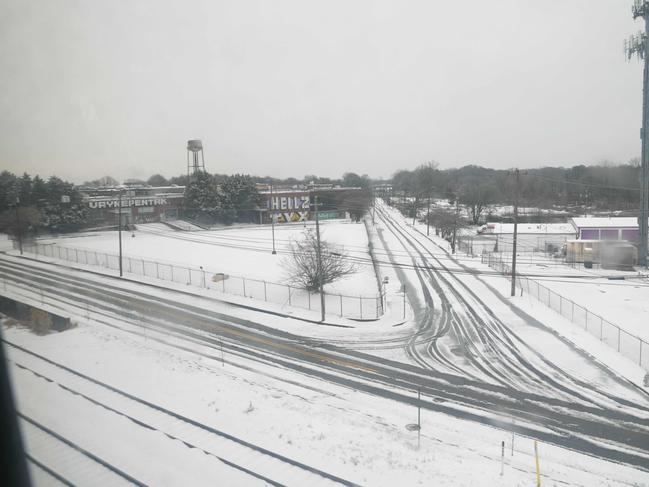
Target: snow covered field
(239,251)
(358,437)
(618,296)
(622,302)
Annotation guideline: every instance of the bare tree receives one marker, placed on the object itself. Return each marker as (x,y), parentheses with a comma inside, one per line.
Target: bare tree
(447,222)
(302,263)
(477,196)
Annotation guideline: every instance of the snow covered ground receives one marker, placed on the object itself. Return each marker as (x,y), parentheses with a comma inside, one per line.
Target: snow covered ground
(354,435)
(624,303)
(618,296)
(358,437)
(239,251)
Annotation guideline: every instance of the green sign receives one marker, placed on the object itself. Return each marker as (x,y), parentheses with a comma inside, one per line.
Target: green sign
(327,215)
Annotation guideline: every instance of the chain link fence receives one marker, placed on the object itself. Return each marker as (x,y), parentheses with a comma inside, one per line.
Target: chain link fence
(629,345)
(345,306)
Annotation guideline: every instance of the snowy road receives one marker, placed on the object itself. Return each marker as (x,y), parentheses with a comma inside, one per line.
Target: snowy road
(458,330)
(609,426)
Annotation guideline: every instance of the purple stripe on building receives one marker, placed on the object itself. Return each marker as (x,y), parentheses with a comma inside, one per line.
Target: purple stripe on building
(589,234)
(631,235)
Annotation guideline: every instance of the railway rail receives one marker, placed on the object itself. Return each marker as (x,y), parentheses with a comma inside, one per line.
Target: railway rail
(618,432)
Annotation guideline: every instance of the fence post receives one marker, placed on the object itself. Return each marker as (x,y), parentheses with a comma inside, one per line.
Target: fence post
(377,306)
(172,273)
(360,300)
(341,305)
(573,311)
(244,286)
(618,338)
(157,270)
(289,295)
(265,293)
(640,357)
(223,282)
(309,295)
(190,275)
(130,265)
(76,253)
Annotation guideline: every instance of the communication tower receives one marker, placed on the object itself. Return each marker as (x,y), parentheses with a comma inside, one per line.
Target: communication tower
(638,45)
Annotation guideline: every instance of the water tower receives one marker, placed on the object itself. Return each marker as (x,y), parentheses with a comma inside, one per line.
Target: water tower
(196,163)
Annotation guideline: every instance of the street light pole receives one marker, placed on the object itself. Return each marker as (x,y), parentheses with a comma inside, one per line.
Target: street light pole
(428,218)
(317,232)
(18,230)
(272,219)
(119,230)
(517,184)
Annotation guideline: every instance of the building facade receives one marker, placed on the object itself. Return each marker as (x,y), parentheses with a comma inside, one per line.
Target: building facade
(137,204)
(287,205)
(602,228)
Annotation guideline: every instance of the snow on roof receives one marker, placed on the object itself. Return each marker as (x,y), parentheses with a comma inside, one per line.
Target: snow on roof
(556,228)
(605,222)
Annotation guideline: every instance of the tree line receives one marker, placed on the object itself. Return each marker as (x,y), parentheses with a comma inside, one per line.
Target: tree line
(605,187)
(33,204)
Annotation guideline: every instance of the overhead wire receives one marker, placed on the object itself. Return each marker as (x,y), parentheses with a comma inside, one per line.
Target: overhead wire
(566,278)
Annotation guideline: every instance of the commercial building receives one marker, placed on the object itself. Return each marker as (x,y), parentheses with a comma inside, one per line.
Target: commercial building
(531,236)
(285,205)
(607,228)
(138,204)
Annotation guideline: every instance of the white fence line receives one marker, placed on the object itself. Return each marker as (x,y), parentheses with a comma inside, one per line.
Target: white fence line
(353,307)
(629,345)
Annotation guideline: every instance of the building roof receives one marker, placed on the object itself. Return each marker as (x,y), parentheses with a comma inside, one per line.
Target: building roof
(605,222)
(508,228)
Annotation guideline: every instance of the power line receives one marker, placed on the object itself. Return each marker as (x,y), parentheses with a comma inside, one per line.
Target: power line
(568,278)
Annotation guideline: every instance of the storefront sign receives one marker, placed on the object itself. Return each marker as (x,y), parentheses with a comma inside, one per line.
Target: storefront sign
(328,215)
(127,202)
(289,202)
(291,216)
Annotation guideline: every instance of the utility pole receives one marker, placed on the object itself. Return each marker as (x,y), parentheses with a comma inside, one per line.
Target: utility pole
(317,233)
(119,229)
(373,205)
(414,213)
(428,218)
(638,45)
(455,224)
(272,217)
(516,183)
(19,232)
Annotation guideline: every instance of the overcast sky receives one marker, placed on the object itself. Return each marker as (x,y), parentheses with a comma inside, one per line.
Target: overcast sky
(288,88)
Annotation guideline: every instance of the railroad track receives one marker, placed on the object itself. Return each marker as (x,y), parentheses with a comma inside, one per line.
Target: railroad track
(66,461)
(254,461)
(493,347)
(616,433)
